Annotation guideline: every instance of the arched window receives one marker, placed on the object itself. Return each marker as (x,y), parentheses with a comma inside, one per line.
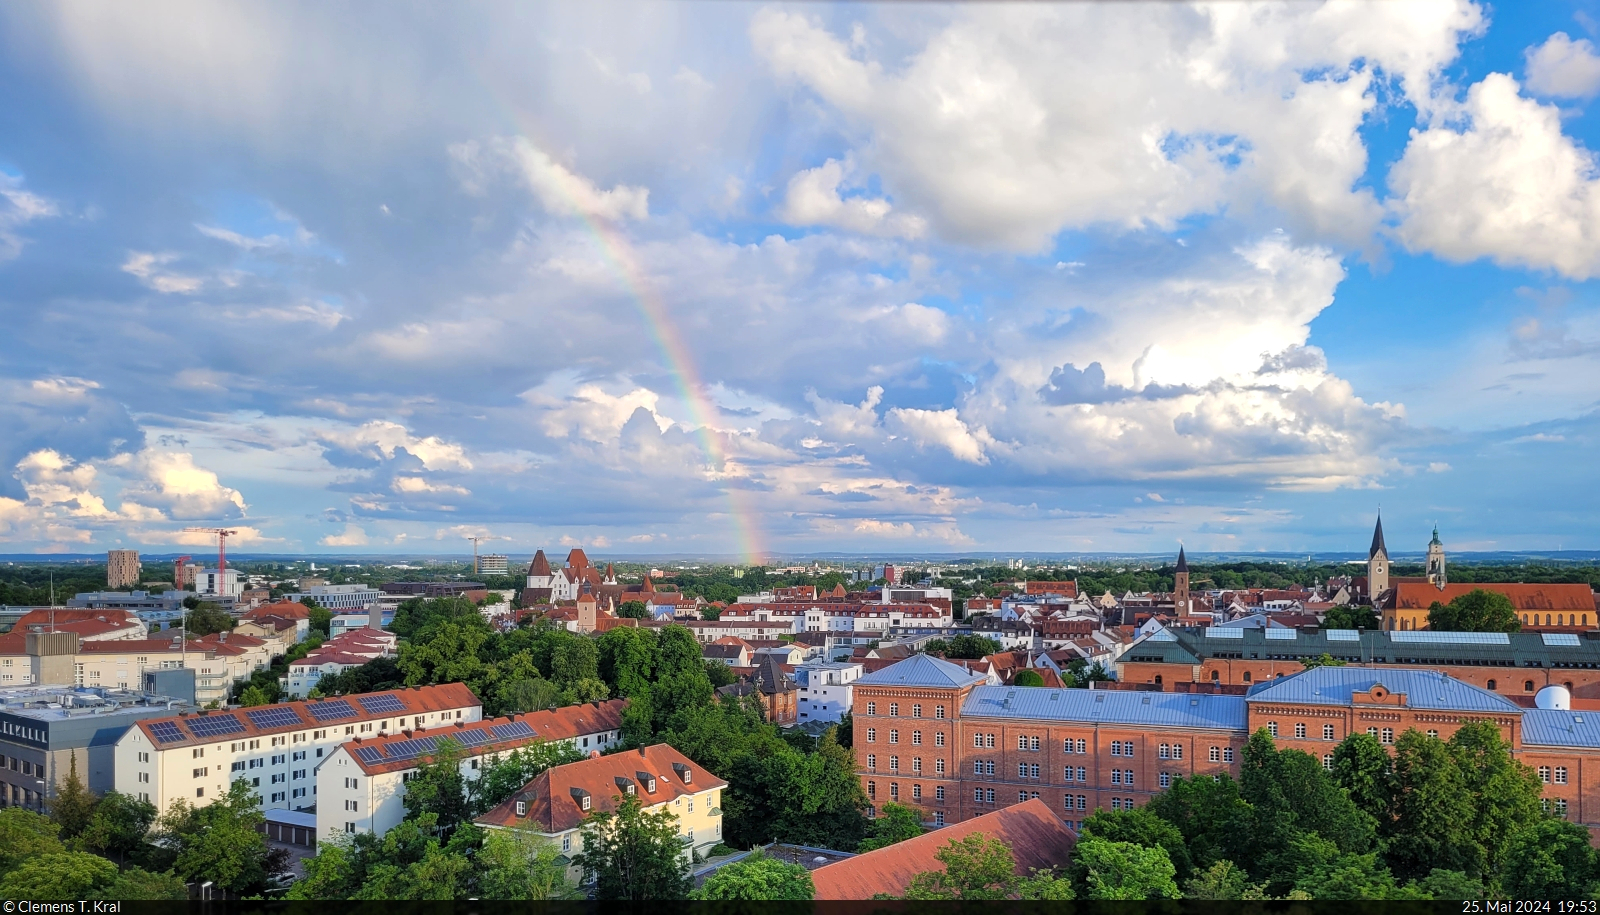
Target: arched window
(1527,686)
(1215,676)
(1247,676)
(1489,685)
(1158,679)
(1547,619)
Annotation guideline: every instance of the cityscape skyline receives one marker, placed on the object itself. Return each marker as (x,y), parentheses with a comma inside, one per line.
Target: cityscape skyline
(746,280)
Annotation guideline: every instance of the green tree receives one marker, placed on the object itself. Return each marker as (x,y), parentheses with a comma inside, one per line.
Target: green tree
(136,883)
(1223,880)
(1551,859)
(502,775)
(1475,611)
(528,694)
(321,618)
(975,867)
(1123,870)
(627,659)
(1322,660)
(1290,791)
(1140,826)
(894,823)
(438,789)
(1364,769)
(1355,877)
(633,609)
(221,842)
(24,836)
(633,853)
(970,647)
(59,877)
(1214,820)
(206,619)
(1349,617)
(73,805)
(758,878)
(254,696)
(517,864)
(1433,813)
(1505,793)
(720,674)
(1027,678)
(118,826)
(1444,884)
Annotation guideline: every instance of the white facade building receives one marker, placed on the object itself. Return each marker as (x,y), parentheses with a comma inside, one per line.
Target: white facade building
(275,748)
(826,690)
(219,584)
(340,597)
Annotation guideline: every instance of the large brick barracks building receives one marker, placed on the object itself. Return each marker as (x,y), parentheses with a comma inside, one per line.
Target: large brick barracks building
(928,734)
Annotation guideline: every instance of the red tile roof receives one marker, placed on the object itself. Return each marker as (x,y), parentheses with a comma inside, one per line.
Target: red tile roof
(554,802)
(547,725)
(1036,837)
(412,701)
(1420,595)
(287,609)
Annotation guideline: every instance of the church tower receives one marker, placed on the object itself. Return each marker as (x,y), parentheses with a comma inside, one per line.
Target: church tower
(1436,576)
(1377,565)
(1180,587)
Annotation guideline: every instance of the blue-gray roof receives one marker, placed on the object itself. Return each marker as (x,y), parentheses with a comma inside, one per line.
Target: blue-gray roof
(921,670)
(1423,689)
(1108,707)
(1560,728)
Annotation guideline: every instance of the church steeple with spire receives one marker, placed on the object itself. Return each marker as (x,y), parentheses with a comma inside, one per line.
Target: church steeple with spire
(1180,586)
(1436,575)
(1377,564)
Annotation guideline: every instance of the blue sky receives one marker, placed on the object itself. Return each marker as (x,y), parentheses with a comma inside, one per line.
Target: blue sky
(720,278)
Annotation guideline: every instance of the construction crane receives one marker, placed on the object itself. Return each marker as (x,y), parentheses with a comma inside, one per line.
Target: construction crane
(475,550)
(222,553)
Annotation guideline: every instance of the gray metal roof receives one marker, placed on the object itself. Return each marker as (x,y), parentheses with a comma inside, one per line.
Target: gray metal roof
(1424,689)
(1560,728)
(921,670)
(1108,707)
(1520,649)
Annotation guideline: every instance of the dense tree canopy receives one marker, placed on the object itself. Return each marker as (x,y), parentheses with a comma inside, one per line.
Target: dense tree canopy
(1475,611)
(634,853)
(758,878)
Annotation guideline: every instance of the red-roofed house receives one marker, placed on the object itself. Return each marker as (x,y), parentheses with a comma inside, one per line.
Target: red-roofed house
(90,625)
(1546,607)
(1038,840)
(555,804)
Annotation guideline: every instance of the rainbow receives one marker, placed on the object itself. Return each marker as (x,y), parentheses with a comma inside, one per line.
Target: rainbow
(680,364)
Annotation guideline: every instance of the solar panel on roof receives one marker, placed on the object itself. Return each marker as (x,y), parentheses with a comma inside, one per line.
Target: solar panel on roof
(165,732)
(330,711)
(215,726)
(381,704)
(1566,639)
(512,730)
(1162,635)
(471,738)
(276,717)
(369,755)
(1221,632)
(1287,634)
(1342,635)
(1451,638)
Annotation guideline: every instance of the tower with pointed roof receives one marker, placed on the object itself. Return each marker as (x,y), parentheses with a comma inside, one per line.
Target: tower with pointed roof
(1436,575)
(1377,564)
(539,571)
(1180,586)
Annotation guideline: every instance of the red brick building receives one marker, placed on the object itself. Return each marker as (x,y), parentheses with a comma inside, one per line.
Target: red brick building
(929,734)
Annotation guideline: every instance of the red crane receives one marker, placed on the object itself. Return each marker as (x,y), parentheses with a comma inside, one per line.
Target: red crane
(222,552)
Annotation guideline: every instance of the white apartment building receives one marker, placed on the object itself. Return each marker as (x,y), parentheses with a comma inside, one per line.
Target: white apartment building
(838,617)
(338,654)
(218,584)
(340,597)
(826,690)
(361,786)
(276,748)
(65,659)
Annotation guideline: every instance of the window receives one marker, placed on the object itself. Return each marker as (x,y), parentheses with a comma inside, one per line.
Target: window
(916,738)
(1327,761)
(1022,770)
(938,738)
(1116,776)
(988,795)
(977,767)
(916,792)
(1033,743)
(1272,728)
(1527,686)
(237,767)
(349,827)
(1216,753)
(1227,754)
(894,764)
(278,778)
(1544,774)
(977,795)
(299,774)
(988,740)
(278,759)
(1327,732)
(522,808)
(988,767)
(977,740)
(1033,771)
(938,767)
(201,773)
(1300,730)
(566,842)
(894,736)
(1163,752)
(1433,733)
(277,796)
(1372,732)
(1177,751)
(1490,685)
(872,789)
(938,818)
(1116,748)
(1166,779)
(1561,775)
(872,708)
(916,711)
(1388,735)
(586,802)
(894,791)
(199,792)
(916,765)
(197,752)
(1561,807)
(1022,742)
(938,711)
(894,709)
(1116,803)
(298,792)
(352,805)
(872,735)
(872,761)
(1127,777)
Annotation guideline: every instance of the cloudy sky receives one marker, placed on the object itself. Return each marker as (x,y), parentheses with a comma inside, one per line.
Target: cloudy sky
(731,277)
